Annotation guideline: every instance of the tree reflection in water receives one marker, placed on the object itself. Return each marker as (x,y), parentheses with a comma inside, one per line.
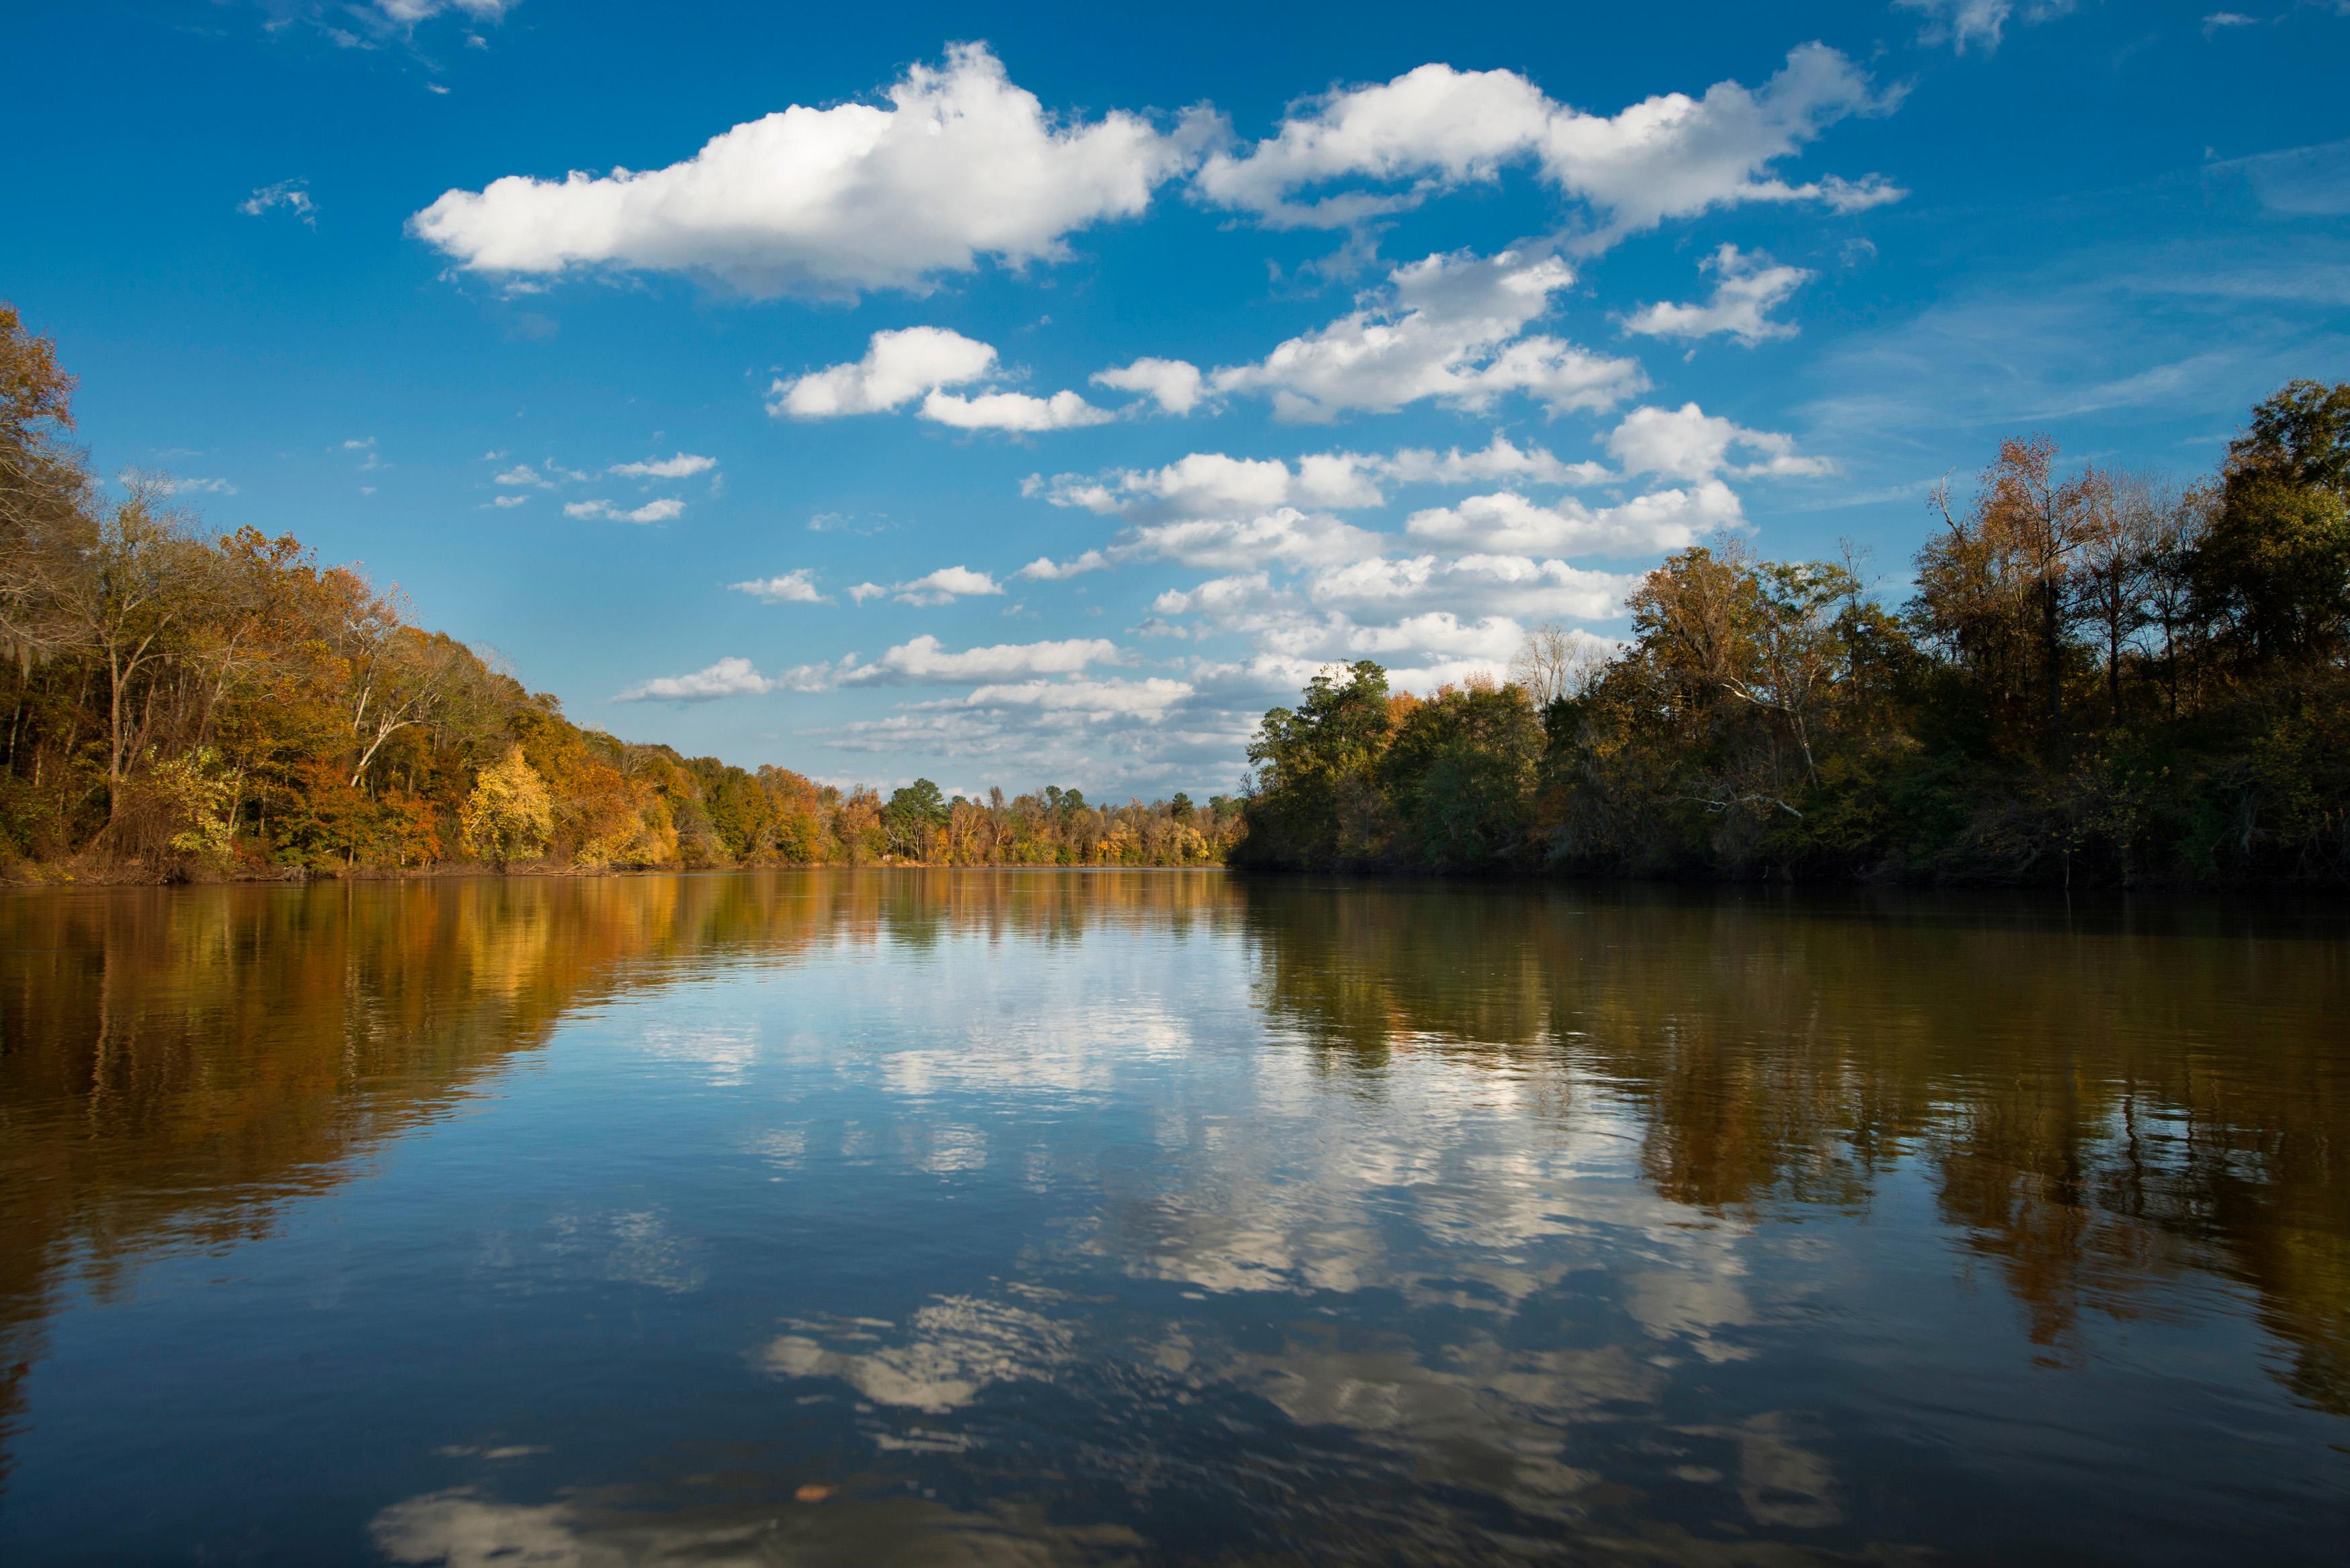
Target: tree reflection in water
(2106,1097)
(1382,1221)
(175,1063)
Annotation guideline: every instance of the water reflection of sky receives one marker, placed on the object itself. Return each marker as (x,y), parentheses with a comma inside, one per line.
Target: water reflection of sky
(1106,1239)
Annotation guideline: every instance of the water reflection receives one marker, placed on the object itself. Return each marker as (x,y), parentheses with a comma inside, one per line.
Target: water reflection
(2104,1096)
(177,1062)
(1044,1217)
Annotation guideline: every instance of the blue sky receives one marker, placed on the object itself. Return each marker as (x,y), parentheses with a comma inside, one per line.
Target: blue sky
(1027,394)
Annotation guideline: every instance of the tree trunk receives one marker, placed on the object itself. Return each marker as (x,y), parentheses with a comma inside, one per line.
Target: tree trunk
(2170,664)
(114,748)
(2113,666)
(2052,636)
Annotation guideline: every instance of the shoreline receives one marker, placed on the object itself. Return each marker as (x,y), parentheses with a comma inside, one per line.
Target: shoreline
(70,874)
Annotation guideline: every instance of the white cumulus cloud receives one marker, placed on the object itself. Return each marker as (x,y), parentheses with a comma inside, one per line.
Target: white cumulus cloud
(1434,129)
(960,164)
(1175,385)
(1214,484)
(1226,544)
(1217,596)
(924,660)
(1500,584)
(1689,443)
(1449,327)
(1045,569)
(1748,287)
(1509,523)
(1438,634)
(1017,412)
(897,368)
(921,362)
(684,466)
(666,510)
(937,587)
(1501,459)
(794,587)
(727,678)
(1092,699)
(1211,484)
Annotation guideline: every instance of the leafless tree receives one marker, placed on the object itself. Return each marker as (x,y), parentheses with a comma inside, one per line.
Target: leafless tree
(1555,661)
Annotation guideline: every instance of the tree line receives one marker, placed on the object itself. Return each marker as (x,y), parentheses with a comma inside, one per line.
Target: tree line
(184,703)
(2102,676)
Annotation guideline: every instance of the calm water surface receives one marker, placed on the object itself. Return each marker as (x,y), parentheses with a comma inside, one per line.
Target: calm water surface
(1102,1218)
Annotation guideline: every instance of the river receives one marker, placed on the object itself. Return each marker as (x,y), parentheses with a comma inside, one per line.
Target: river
(1008,1217)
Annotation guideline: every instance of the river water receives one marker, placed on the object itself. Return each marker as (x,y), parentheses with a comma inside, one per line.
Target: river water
(1143,1216)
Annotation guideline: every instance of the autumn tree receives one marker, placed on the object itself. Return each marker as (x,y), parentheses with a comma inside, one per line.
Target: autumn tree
(1994,585)
(39,479)
(135,582)
(508,816)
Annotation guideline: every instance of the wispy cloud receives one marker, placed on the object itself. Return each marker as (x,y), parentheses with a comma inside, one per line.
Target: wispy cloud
(2311,181)
(179,484)
(293,195)
(1966,25)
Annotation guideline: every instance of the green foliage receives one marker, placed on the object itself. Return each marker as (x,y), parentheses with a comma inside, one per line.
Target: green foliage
(2273,575)
(1460,772)
(2303,432)
(913,817)
(180,807)
(1316,801)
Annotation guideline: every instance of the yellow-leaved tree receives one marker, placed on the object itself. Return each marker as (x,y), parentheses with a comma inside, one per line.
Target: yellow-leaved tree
(508,816)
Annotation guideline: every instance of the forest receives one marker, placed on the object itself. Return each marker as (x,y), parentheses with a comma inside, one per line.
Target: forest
(2102,677)
(185,705)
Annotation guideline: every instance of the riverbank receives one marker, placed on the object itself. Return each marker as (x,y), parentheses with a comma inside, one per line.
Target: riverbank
(92,874)
(98,874)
